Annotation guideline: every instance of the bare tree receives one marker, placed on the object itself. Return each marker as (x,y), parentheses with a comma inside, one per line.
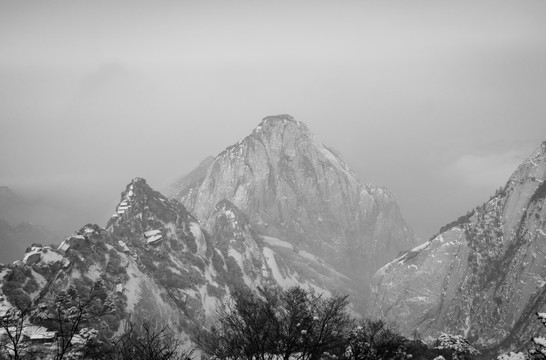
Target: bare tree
(67,314)
(146,342)
(327,334)
(278,323)
(70,312)
(13,323)
(374,339)
(246,329)
(296,317)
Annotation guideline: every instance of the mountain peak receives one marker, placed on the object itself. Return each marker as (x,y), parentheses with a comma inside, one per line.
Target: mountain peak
(138,181)
(139,187)
(280,119)
(139,198)
(273,131)
(290,186)
(274,121)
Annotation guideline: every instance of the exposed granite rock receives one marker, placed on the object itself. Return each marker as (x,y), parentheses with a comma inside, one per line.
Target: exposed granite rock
(292,187)
(484,277)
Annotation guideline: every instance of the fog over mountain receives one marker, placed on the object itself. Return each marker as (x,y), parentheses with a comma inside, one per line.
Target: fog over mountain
(439,102)
(166,160)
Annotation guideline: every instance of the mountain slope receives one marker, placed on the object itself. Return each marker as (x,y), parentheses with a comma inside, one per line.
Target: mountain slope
(158,264)
(483,276)
(292,187)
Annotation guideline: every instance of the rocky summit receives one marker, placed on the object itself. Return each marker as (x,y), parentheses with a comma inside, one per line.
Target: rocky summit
(483,275)
(292,187)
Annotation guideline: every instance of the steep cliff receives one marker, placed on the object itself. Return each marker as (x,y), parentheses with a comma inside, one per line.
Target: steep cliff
(483,276)
(292,187)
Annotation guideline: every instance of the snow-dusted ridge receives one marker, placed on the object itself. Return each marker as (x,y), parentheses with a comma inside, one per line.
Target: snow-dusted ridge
(483,276)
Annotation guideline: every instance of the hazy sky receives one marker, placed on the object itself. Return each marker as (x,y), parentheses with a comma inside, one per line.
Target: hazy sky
(438,101)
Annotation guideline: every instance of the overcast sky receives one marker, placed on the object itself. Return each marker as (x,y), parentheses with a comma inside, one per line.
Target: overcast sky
(438,101)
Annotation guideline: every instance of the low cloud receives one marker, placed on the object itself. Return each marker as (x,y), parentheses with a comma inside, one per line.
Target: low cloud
(486,171)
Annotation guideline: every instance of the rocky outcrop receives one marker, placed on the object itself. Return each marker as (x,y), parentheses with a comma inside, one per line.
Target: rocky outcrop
(292,187)
(483,276)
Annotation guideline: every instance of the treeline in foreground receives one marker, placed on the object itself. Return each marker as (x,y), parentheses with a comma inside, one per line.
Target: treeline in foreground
(295,324)
(274,324)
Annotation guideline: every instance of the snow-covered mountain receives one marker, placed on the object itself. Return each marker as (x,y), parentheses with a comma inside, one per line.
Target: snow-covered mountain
(292,187)
(276,209)
(483,276)
(157,263)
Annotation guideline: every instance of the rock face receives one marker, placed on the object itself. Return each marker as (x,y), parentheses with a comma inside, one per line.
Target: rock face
(483,276)
(292,187)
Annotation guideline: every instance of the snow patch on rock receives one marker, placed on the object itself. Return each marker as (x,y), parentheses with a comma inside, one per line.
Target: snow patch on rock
(277,242)
(199,238)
